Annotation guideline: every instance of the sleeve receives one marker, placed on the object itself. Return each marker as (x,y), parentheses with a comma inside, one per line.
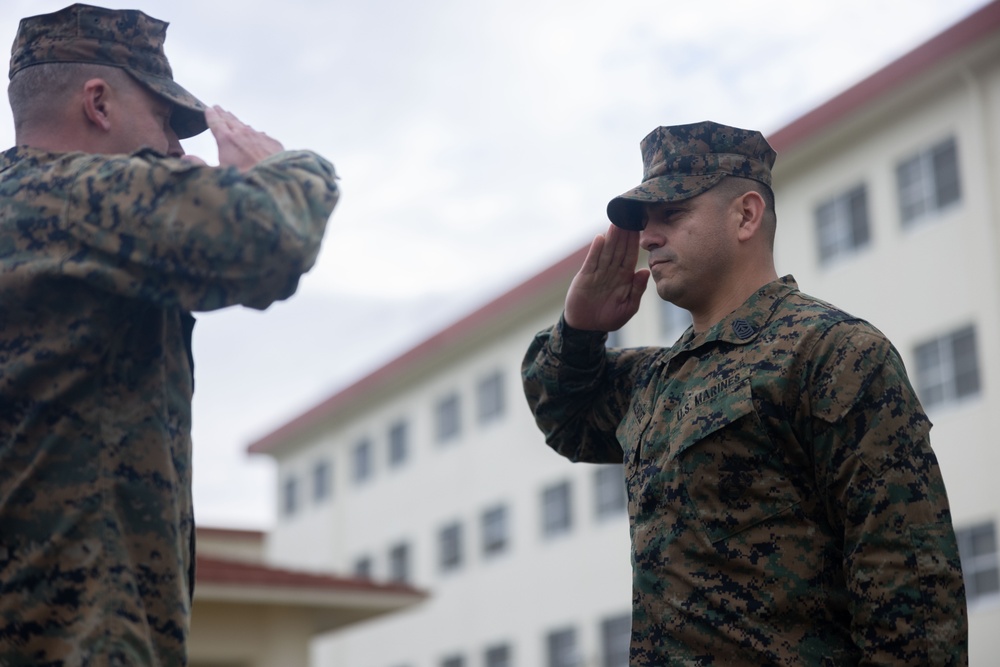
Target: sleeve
(885,494)
(198,237)
(579,391)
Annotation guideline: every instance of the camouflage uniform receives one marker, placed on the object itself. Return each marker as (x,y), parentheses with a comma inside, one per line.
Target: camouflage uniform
(102,258)
(785,505)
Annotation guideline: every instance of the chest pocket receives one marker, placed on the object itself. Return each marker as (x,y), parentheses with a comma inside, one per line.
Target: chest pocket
(734,476)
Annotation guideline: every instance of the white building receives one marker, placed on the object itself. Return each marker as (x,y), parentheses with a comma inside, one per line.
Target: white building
(431,470)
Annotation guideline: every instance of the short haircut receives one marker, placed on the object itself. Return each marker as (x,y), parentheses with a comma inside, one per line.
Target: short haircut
(39,93)
(732,187)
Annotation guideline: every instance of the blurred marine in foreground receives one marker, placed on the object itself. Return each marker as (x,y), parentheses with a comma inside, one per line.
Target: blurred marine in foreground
(786,507)
(109,238)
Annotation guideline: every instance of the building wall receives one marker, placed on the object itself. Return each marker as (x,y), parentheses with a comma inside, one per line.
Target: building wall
(515,597)
(236,635)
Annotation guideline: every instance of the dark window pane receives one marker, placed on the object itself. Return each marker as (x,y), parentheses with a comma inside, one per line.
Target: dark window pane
(398,443)
(615,637)
(447,414)
(494,528)
(947,188)
(556,517)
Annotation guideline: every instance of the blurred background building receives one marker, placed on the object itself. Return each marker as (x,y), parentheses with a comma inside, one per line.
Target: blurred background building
(247,613)
(430,472)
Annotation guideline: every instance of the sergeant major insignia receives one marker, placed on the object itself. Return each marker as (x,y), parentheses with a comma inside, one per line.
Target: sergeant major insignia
(743,329)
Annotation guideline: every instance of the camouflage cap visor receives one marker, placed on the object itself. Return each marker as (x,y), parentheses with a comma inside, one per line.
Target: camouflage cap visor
(188,116)
(679,178)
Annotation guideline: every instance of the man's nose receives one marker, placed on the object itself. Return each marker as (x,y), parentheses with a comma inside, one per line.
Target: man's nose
(174,148)
(650,238)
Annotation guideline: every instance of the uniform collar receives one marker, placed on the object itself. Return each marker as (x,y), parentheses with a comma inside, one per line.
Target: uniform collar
(744,324)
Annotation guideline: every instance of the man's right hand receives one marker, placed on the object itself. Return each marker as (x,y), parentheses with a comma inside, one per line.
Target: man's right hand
(605,294)
(240,145)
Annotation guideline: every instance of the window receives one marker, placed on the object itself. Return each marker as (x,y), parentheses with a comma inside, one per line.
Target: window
(321,480)
(362,460)
(399,437)
(842,224)
(674,321)
(447,418)
(450,547)
(616,634)
(977,546)
(399,563)
(363,567)
(489,398)
(289,496)
(494,530)
(497,656)
(453,661)
(948,368)
(609,491)
(562,648)
(928,181)
(556,517)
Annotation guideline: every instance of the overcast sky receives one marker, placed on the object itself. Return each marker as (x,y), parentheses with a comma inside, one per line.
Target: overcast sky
(478,142)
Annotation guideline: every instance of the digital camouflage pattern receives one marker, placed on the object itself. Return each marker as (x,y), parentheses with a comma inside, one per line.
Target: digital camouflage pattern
(785,505)
(101,260)
(682,161)
(128,39)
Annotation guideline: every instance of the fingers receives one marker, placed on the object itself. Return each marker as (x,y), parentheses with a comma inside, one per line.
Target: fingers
(221,121)
(240,145)
(623,248)
(592,262)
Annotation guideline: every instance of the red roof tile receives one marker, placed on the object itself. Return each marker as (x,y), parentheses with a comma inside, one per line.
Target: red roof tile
(211,570)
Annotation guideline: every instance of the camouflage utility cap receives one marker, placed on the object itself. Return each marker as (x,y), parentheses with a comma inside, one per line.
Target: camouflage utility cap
(127,38)
(682,161)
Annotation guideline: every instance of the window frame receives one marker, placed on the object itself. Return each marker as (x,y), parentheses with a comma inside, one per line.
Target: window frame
(362,461)
(399,443)
(448,418)
(363,567)
(450,550)
(490,403)
(947,368)
(322,480)
(605,477)
(495,529)
(400,566)
(842,224)
(290,496)
(562,648)
(612,654)
(498,655)
(976,564)
(559,521)
(921,178)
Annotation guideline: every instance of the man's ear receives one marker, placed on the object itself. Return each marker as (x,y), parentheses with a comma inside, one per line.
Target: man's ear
(96,96)
(751,209)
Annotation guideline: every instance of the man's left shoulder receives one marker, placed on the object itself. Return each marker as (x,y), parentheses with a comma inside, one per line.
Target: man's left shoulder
(807,311)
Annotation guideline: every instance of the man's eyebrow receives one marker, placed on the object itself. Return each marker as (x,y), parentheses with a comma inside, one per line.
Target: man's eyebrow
(667,207)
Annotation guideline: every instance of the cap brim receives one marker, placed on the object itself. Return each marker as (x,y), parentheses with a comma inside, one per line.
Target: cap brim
(188,117)
(626,210)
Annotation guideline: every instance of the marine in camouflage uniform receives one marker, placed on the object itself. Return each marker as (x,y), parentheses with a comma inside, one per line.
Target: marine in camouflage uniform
(102,259)
(785,505)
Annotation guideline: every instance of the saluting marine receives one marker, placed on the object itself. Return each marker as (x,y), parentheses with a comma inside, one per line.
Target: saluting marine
(109,238)
(785,505)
